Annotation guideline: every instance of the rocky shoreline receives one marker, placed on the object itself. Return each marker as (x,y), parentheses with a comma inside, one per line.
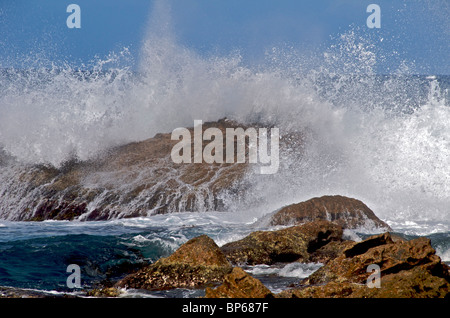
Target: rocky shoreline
(408,269)
(403,268)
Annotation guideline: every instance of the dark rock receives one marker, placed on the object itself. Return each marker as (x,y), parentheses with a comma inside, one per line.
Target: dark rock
(346,212)
(197,263)
(295,243)
(239,284)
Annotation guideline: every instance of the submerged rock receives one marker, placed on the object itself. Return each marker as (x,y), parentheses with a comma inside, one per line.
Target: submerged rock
(295,243)
(239,284)
(197,263)
(348,213)
(15,292)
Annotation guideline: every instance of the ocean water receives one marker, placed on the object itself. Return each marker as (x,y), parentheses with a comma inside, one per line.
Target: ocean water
(383,139)
(39,253)
(35,255)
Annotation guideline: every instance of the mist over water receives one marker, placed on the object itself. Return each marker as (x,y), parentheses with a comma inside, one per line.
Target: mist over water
(381,139)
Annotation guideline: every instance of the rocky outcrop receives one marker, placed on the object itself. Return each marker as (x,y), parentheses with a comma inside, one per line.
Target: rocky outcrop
(392,258)
(346,212)
(297,243)
(407,269)
(197,263)
(136,179)
(239,284)
(200,262)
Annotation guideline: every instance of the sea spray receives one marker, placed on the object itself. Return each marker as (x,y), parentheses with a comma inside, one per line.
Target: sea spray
(378,138)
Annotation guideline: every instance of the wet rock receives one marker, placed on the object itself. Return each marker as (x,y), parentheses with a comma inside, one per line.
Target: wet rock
(239,284)
(373,241)
(407,269)
(104,292)
(135,179)
(14,292)
(330,290)
(346,212)
(391,257)
(415,283)
(197,263)
(329,251)
(295,243)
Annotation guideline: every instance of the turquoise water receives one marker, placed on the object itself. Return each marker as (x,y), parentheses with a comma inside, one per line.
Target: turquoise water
(35,255)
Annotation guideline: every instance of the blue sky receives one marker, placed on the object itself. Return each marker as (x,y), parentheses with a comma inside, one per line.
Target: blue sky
(416,31)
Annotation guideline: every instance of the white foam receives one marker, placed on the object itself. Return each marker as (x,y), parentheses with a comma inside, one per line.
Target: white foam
(351,235)
(295,269)
(140,238)
(444,254)
(420,228)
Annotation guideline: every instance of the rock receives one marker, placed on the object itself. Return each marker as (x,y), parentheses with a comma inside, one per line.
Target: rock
(391,257)
(407,269)
(415,283)
(329,251)
(130,180)
(295,243)
(15,292)
(239,284)
(104,292)
(197,263)
(330,290)
(135,179)
(347,212)
(373,241)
